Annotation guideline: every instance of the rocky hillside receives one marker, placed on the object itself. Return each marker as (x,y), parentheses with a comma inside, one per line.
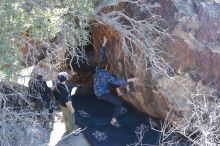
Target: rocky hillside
(172,46)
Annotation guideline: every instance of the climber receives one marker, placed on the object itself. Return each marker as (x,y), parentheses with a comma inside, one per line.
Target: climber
(101,85)
(65,102)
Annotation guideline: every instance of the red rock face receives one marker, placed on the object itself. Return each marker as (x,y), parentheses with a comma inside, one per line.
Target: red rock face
(194,54)
(209,19)
(201,65)
(197,46)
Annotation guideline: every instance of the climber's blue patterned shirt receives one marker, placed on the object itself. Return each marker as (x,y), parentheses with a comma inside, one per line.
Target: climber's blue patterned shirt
(102,80)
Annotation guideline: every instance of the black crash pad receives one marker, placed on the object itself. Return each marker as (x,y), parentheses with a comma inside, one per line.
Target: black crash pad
(96,115)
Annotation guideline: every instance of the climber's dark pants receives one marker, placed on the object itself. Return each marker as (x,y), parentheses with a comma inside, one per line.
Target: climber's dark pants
(114,100)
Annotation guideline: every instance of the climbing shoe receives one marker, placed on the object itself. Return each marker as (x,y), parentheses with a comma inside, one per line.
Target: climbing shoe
(115,124)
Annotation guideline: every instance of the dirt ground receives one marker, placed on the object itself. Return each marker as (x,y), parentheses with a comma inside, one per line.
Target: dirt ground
(58,133)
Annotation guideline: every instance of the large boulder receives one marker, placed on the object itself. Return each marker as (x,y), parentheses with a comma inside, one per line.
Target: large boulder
(193,53)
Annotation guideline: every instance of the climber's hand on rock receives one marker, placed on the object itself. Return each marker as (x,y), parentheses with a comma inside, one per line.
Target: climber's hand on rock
(132,80)
(104,41)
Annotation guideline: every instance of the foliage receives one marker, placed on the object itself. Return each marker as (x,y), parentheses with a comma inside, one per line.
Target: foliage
(39,20)
(200,127)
